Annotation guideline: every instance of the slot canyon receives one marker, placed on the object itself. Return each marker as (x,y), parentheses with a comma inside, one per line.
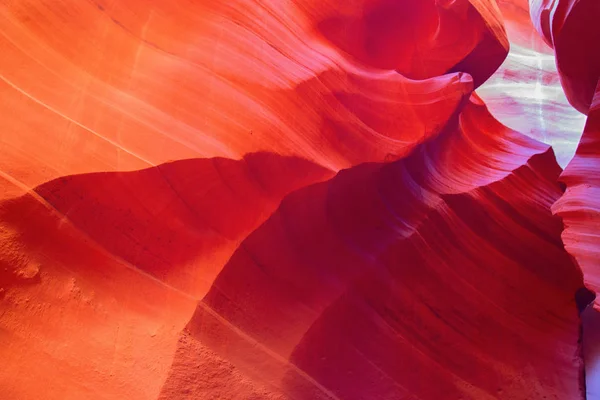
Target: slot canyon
(299,199)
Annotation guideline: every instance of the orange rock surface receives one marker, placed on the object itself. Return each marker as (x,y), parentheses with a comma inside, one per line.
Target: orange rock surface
(296,199)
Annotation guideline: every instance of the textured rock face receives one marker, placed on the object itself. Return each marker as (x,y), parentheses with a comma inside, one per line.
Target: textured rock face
(411,273)
(580,205)
(569,27)
(563,24)
(298,199)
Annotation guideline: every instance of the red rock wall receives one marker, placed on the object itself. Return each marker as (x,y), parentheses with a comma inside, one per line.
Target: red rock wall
(425,270)
(294,199)
(580,205)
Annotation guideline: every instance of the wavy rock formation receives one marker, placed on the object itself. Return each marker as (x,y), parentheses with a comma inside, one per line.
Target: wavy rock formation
(580,205)
(563,24)
(376,297)
(128,86)
(296,199)
(419,39)
(570,27)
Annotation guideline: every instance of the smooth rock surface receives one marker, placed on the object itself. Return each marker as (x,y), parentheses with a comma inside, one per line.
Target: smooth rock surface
(295,199)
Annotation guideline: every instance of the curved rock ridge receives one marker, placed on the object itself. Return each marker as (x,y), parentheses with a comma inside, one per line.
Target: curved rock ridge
(419,39)
(579,207)
(179,221)
(438,269)
(525,92)
(114,262)
(571,28)
(131,85)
